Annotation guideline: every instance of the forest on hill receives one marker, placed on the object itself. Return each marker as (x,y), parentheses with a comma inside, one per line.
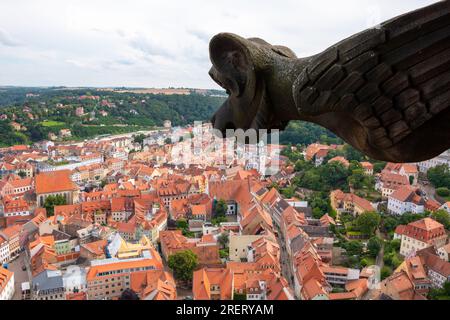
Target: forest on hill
(30,114)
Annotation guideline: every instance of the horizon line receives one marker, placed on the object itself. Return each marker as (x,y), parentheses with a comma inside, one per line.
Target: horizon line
(103,87)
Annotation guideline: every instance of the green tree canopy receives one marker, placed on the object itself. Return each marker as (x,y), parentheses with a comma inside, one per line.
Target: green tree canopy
(374,245)
(183,264)
(439,176)
(353,248)
(223,239)
(367,222)
(52,201)
(385,272)
(139,138)
(221,208)
(443,217)
(443,191)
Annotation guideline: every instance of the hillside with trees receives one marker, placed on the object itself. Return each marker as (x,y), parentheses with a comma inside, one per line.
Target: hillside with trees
(31,114)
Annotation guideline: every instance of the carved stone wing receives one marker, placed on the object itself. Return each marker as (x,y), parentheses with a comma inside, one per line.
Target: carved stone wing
(385,90)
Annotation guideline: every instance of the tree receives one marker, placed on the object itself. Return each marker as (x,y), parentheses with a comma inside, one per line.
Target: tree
(182,224)
(378,166)
(357,178)
(352,154)
(223,239)
(300,132)
(319,203)
(391,259)
(22,174)
(139,138)
(443,217)
(218,220)
(364,262)
(440,293)
(221,208)
(183,264)
(52,201)
(389,223)
(354,248)
(367,222)
(239,296)
(317,213)
(333,175)
(443,192)
(439,176)
(385,272)
(224,253)
(393,245)
(288,192)
(353,262)
(374,245)
(128,294)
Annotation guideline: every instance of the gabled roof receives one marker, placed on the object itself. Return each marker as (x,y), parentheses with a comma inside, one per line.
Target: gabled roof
(408,193)
(55,181)
(206,277)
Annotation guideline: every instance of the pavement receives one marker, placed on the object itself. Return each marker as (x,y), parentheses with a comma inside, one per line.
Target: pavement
(429,189)
(379,261)
(380,258)
(286,268)
(19,275)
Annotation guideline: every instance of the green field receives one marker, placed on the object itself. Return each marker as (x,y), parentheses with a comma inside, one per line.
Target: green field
(51,123)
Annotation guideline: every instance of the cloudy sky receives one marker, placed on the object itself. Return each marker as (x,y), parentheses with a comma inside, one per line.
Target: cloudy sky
(152,43)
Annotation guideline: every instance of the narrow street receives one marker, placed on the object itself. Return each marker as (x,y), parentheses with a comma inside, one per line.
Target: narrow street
(429,190)
(380,258)
(286,268)
(19,275)
(379,262)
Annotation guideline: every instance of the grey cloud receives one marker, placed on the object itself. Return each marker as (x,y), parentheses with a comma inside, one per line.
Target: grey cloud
(124,62)
(164,43)
(149,47)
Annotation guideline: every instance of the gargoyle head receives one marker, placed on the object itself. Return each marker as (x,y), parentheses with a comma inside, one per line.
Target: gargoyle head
(246,68)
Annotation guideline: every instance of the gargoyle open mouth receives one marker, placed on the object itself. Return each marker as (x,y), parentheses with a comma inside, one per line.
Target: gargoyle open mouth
(238,69)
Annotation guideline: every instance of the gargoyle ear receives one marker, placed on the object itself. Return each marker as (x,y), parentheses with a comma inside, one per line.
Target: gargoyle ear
(232,59)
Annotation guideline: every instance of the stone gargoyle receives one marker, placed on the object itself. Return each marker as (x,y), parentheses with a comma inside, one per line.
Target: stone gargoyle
(385,91)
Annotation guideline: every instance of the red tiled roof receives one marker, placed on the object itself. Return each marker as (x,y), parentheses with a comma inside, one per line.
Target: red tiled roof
(54,181)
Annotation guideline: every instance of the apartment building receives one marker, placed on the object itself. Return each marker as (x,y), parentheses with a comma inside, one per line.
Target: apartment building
(6,284)
(406,199)
(420,234)
(108,278)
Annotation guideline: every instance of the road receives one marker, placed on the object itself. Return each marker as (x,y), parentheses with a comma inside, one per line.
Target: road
(286,267)
(429,189)
(130,134)
(115,136)
(379,261)
(380,258)
(19,275)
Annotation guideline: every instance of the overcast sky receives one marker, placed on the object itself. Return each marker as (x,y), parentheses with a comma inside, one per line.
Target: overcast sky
(149,43)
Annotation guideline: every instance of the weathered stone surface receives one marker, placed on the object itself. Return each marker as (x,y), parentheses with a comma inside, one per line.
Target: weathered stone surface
(385,90)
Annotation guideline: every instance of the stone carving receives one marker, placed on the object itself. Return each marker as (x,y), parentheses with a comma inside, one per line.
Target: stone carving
(385,91)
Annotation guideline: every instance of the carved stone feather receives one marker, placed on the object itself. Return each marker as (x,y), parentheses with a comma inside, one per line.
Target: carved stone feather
(385,91)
